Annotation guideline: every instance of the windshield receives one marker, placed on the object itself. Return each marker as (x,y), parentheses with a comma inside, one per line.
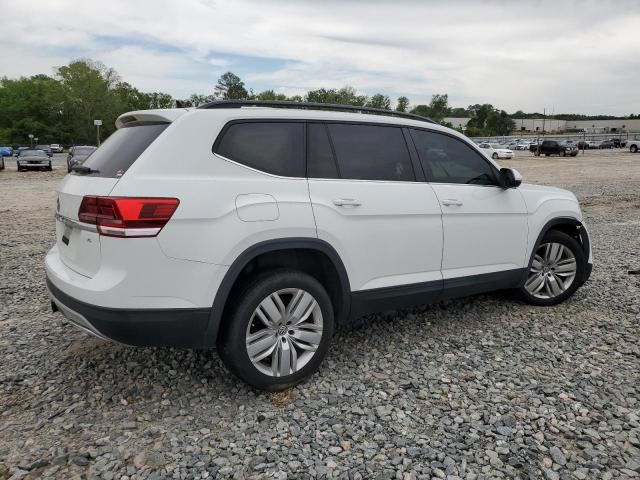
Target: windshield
(32,153)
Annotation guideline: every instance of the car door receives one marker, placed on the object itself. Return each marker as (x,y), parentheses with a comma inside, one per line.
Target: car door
(385,225)
(485,226)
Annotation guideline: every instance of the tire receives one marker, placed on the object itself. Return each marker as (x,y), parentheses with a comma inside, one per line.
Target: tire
(2,164)
(633,148)
(547,154)
(494,156)
(564,154)
(543,267)
(249,318)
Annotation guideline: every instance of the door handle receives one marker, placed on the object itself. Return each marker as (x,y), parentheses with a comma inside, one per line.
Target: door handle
(452,202)
(342,202)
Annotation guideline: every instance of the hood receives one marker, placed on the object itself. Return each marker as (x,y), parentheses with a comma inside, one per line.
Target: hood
(551,191)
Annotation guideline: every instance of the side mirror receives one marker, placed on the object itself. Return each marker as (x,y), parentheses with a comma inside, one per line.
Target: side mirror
(510,178)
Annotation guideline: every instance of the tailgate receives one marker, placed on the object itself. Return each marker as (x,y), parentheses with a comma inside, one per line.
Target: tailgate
(78,243)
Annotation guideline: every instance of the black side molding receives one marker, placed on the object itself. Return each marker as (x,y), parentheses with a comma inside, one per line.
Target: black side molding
(374,300)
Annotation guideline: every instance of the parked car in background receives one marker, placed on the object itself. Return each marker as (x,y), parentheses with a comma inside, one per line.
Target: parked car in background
(496,150)
(6,151)
(553,147)
(522,146)
(634,145)
(46,149)
(16,151)
(607,144)
(594,143)
(582,145)
(56,148)
(31,159)
(78,154)
(279,225)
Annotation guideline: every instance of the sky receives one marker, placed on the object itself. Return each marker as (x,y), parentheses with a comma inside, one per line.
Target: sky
(563,56)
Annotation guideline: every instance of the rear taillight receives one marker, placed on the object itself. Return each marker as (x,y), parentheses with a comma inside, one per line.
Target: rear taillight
(127,216)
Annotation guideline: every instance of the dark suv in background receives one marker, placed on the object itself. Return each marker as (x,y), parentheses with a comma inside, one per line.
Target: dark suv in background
(553,147)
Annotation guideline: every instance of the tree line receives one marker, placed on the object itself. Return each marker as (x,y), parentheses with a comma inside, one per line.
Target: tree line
(61,108)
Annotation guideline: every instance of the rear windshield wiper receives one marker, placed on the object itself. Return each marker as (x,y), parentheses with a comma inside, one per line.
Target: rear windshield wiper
(84,170)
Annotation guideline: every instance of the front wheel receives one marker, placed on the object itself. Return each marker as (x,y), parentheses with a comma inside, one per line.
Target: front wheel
(555,271)
(563,153)
(494,156)
(279,330)
(633,148)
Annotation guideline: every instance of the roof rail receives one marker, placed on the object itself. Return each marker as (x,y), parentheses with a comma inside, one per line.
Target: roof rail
(312,106)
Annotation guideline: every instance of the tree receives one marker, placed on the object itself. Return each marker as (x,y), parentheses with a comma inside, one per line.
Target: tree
(345,96)
(230,87)
(379,101)
(459,112)
(89,94)
(437,109)
(200,99)
(402,105)
(499,123)
(479,114)
(270,95)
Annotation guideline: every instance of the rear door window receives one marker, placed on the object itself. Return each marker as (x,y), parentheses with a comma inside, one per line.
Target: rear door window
(272,147)
(122,149)
(371,152)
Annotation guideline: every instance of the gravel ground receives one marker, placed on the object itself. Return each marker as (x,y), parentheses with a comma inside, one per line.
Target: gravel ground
(484,387)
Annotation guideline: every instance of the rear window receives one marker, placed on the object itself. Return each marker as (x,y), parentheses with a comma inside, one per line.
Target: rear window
(272,147)
(122,148)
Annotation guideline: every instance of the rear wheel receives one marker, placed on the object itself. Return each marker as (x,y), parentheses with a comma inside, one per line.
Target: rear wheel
(494,156)
(556,268)
(279,330)
(563,153)
(633,148)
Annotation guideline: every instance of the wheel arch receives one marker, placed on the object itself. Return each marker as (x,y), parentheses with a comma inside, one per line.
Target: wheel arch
(284,253)
(569,225)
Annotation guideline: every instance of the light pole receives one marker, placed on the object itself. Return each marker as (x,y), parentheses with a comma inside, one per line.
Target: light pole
(97,123)
(31,138)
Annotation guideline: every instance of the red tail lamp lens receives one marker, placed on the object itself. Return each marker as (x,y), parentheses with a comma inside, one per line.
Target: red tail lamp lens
(127,216)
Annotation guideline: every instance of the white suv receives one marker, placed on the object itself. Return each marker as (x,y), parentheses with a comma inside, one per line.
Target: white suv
(258,229)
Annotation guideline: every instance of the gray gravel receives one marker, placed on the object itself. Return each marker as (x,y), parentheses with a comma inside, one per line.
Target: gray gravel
(477,388)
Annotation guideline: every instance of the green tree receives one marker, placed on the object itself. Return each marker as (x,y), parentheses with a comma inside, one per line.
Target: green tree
(230,87)
(402,105)
(345,96)
(270,95)
(459,112)
(89,94)
(437,109)
(479,114)
(379,101)
(499,123)
(200,99)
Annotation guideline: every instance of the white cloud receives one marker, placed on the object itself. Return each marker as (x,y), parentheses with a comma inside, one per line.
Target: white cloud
(572,56)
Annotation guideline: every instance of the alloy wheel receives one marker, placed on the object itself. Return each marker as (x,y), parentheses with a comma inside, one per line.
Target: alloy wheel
(553,270)
(284,332)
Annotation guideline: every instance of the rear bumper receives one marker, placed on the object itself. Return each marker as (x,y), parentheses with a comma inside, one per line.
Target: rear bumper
(179,327)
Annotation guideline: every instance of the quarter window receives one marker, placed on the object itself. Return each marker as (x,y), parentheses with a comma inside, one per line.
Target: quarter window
(446,159)
(371,152)
(272,147)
